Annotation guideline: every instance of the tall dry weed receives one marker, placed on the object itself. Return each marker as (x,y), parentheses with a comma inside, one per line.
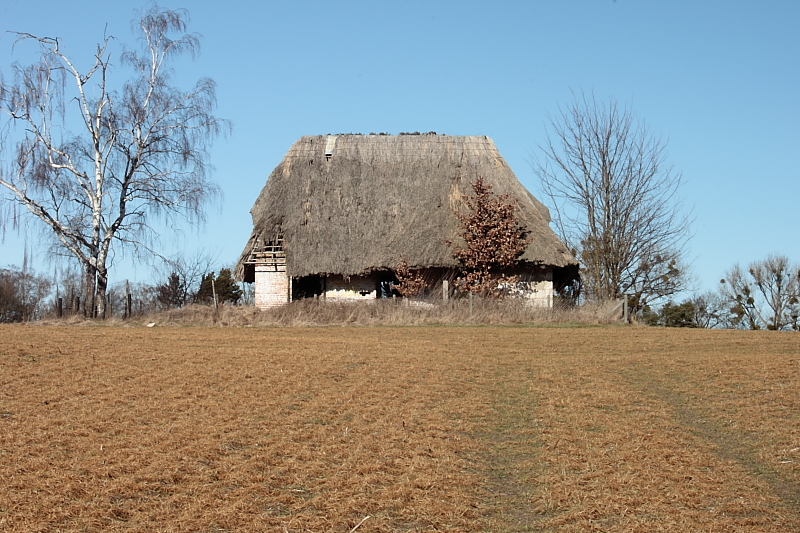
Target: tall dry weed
(399,312)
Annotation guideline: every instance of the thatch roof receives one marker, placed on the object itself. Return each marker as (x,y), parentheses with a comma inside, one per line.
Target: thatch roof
(375,198)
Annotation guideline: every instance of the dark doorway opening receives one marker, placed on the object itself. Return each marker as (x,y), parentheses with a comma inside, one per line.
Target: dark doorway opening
(385,288)
(306,287)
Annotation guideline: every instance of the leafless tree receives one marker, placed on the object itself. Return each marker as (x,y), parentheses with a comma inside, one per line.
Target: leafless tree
(767,296)
(710,310)
(23,294)
(96,162)
(616,201)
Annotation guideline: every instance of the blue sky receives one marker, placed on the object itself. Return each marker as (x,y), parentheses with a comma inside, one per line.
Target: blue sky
(718,80)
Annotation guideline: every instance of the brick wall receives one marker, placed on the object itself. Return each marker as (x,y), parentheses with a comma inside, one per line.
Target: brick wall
(273,287)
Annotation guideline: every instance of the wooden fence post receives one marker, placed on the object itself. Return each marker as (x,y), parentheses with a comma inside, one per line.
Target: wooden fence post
(625,309)
(128,300)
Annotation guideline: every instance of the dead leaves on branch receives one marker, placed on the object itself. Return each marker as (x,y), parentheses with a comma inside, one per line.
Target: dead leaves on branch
(494,241)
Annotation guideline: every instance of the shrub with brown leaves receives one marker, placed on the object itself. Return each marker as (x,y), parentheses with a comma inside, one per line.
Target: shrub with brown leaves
(410,282)
(494,241)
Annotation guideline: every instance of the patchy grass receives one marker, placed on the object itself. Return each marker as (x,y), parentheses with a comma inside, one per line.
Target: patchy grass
(448,428)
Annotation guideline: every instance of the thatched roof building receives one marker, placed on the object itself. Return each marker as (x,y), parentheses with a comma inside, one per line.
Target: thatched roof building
(350,205)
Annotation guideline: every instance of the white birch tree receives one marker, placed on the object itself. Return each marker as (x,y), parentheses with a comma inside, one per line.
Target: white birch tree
(94,161)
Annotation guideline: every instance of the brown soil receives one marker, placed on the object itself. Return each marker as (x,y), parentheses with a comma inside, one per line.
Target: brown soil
(398,429)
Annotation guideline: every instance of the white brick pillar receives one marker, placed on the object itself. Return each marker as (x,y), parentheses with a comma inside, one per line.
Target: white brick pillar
(273,286)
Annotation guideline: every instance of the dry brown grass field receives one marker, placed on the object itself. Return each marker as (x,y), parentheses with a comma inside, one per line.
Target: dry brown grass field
(378,429)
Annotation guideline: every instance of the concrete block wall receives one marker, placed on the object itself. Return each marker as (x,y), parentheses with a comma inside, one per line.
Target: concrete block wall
(536,288)
(538,293)
(355,289)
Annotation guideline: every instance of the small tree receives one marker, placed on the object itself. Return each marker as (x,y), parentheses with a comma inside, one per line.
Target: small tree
(205,293)
(226,289)
(68,285)
(678,315)
(709,310)
(22,295)
(670,315)
(494,241)
(144,298)
(172,294)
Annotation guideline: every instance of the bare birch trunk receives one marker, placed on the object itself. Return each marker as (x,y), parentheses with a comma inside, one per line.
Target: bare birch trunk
(102,289)
(89,287)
